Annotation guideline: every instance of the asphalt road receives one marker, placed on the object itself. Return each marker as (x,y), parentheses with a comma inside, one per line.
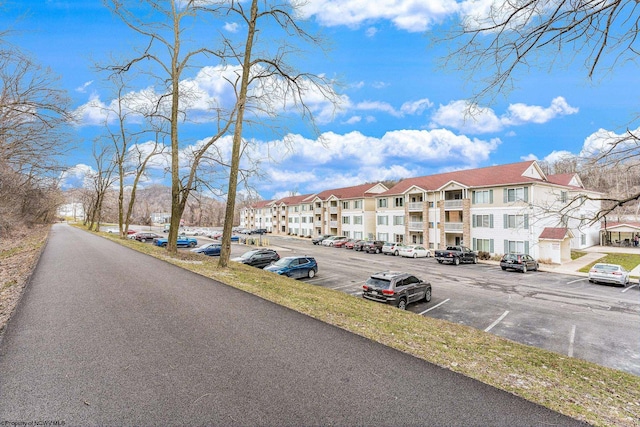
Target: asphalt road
(108,336)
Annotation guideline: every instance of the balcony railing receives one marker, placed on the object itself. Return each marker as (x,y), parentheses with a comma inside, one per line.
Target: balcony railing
(453,227)
(317,210)
(317,223)
(333,224)
(416,225)
(333,210)
(453,204)
(416,206)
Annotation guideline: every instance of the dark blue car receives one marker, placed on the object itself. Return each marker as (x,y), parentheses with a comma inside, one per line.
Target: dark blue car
(211,249)
(295,267)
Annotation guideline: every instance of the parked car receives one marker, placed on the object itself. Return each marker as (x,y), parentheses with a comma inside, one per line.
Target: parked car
(373,246)
(350,244)
(211,249)
(318,240)
(295,267)
(342,243)
(258,231)
(414,251)
(456,254)
(183,241)
(396,288)
(146,236)
(521,262)
(359,245)
(329,241)
(258,257)
(392,248)
(609,273)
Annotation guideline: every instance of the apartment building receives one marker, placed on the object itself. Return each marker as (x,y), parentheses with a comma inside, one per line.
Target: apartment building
(497,209)
(258,215)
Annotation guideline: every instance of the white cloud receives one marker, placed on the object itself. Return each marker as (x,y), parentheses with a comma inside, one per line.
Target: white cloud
(353,120)
(371,32)
(231,27)
(416,107)
(408,15)
(470,118)
(83,88)
(78,176)
(603,141)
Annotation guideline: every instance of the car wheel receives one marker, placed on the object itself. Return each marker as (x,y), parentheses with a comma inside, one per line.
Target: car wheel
(311,273)
(164,245)
(402,304)
(439,261)
(456,261)
(415,255)
(377,250)
(475,260)
(524,268)
(395,253)
(427,295)
(504,268)
(192,244)
(143,240)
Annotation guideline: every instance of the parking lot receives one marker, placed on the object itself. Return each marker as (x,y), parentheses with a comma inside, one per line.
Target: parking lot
(559,312)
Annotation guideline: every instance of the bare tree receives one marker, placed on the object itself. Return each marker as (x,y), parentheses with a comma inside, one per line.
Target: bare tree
(491,46)
(171,54)
(101,180)
(274,74)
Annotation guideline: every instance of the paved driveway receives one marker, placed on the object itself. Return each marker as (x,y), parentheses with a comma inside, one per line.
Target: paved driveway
(108,336)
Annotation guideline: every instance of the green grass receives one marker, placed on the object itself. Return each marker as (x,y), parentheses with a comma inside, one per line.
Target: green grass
(577,254)
(598,395)
(628,261)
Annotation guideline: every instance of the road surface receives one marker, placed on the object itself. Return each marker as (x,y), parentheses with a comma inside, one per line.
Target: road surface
(107,336)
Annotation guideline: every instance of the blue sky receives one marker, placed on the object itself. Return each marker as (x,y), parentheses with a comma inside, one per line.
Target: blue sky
(400,114)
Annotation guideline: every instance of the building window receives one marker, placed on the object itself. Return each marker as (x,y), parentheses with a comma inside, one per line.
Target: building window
(516,221)
(357,204)
(485,245)
(357,220)
(516,194)
(398,220)
(346,220)
(382,203)
(563,196)
(483,197)
(345,205)
(516,246)
(583,239)
(399,202)
(345,234)
(383,220)
(482,221)
(430,204)
(383,236)
(357,234)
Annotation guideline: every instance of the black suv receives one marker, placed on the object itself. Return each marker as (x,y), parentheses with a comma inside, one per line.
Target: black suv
(258,257)
(374,246)
(396,288)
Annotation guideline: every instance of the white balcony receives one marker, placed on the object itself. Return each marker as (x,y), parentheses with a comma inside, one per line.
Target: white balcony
(416,225)
(416,206)
(333,210)
(317,223)
(453,204)
(453,227)
(333,224)
(317,210)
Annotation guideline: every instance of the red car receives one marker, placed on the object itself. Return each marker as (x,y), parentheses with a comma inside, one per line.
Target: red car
(350,243)
(341,243)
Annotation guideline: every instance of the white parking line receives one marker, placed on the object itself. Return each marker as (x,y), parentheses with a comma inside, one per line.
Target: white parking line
(577,280)
(435,306)
(497,321)
(572,339)
(350,285)
(629,287)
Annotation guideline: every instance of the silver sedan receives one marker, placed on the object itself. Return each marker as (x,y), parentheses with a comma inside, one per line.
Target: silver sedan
(609,273)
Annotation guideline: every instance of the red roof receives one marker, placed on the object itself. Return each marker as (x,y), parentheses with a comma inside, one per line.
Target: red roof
(292,200)
(554,233)
(482,177)
(348,192)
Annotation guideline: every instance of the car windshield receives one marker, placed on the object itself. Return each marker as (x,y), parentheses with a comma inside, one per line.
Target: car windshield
(248,255)
(607,268)
(283,262)
(378,283)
